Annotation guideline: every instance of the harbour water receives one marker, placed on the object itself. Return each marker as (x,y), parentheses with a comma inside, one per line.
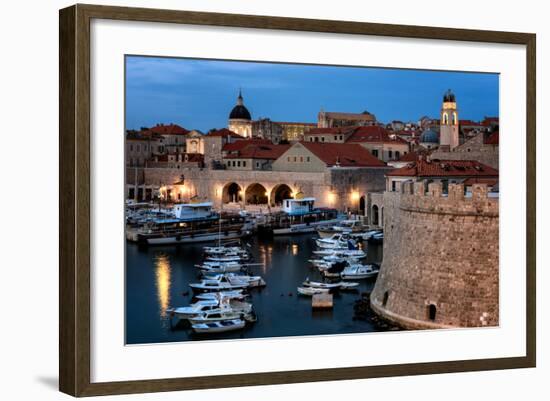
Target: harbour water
(158,278)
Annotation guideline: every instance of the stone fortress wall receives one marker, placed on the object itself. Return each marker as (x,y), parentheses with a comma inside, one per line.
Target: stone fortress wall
(441,258)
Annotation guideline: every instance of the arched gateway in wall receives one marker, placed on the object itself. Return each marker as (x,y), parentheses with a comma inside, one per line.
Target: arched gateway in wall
(232,193)
(256,194)
(279,193)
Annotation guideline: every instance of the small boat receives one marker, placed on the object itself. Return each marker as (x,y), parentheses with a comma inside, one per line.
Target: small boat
(224,250)
(330,286)
(309,291)
(215,316)
(235,294)
(225,259)
(345,226)
(251,281)
(377,238)
(358,272)
(299,216)
(327,261)
(218,327)
(220,267)
(218,284)
(195,309)
(336,241)
(365,236)
(317,284)
(343,253)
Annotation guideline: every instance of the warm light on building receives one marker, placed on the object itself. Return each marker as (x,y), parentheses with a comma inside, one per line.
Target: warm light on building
(355,196)
(331,196)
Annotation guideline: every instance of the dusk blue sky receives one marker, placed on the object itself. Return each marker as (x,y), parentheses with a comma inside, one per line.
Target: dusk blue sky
(199,94)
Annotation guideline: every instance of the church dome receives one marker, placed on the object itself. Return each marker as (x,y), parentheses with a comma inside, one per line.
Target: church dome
(429,136)
(449,96)
(240,112)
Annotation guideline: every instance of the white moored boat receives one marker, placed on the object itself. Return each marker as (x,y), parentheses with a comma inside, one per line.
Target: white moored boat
(300,216)
(191,223)
(186,312)
(309,291)
(224,250)
(358,272)
(220,267)
(219,327)
(252,281)
(345,226)
(210,284)
(330,286)
(215,316)
(225,258)
(342,253)
(236,294)
(336,241)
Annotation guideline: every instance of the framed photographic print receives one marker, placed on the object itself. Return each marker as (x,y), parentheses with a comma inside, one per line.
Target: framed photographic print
(250,200)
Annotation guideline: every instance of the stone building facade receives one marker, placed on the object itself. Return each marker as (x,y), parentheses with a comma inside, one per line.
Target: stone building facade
(441,258)
(339,187)
(482,148)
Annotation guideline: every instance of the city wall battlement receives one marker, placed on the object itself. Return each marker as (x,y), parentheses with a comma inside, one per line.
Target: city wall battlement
(441,257)
(430,198)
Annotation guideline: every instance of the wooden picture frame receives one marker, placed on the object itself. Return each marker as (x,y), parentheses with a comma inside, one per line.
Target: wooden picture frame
(74,203)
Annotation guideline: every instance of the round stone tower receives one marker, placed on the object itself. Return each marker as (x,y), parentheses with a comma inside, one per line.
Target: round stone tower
(440,266)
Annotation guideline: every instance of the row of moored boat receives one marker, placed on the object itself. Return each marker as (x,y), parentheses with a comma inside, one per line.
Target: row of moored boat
(221,302)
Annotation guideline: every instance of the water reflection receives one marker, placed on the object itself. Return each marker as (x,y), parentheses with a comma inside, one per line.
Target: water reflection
(266,252)
(162,273)
(294,249)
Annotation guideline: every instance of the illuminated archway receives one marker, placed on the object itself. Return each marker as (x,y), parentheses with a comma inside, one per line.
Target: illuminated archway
(279,193)
(231,193)
(256,194)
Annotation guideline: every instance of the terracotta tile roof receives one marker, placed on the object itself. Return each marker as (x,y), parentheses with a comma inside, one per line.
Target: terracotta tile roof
(444,168)
(477,180)
(169,129)
(239,145)
(343,154)
(469,122)
(224,132)
(492,139)
(373,134)
(142,135)
(413,156)
(488,120)
(258,151)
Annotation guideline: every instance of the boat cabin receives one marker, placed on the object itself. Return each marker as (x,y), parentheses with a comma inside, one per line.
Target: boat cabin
(298,206)
(192,211)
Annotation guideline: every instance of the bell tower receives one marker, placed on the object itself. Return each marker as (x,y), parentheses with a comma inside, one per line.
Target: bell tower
(448,137)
